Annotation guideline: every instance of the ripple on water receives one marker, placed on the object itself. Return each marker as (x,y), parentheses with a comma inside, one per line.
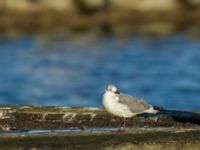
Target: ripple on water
(64,71)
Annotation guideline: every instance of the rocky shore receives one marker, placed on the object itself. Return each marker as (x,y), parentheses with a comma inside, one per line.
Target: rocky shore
(30,117)
(167,129)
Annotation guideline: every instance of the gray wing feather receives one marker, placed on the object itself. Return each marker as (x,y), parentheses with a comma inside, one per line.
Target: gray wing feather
(134,104)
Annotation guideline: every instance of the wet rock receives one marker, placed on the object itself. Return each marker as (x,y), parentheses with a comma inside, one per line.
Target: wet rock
(59,117)
(172,129)
(141,140)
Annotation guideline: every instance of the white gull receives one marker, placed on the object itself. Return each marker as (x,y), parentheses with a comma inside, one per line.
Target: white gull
(123,105)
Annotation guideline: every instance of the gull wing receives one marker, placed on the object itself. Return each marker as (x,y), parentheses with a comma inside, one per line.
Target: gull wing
(134,104)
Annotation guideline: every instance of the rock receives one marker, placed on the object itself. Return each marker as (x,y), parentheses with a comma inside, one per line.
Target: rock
(138,140)
(23,118)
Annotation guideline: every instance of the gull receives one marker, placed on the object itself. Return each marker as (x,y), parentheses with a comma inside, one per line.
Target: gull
(123,105)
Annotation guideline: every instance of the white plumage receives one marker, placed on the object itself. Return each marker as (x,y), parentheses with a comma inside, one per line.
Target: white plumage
(112,105)
(123,105)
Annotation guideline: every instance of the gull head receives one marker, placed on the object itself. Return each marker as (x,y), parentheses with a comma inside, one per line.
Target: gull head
(111,88)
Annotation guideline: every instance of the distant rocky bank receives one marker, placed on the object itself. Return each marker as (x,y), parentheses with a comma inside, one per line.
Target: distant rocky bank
(91,6)
(160,17)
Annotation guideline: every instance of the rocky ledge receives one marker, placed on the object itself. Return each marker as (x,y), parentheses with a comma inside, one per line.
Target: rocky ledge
(32,117)
(166,129)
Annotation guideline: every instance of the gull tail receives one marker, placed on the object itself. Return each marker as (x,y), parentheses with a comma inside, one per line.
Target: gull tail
(153,110)
(156,109)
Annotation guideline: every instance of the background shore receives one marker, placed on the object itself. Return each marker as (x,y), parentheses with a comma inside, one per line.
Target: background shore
(110,16)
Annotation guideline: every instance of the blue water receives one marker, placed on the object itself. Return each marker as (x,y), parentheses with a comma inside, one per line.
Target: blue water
(73,70)
(68,130)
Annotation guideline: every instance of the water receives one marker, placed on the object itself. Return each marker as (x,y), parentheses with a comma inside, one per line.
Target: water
(73,70)
(69,130)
